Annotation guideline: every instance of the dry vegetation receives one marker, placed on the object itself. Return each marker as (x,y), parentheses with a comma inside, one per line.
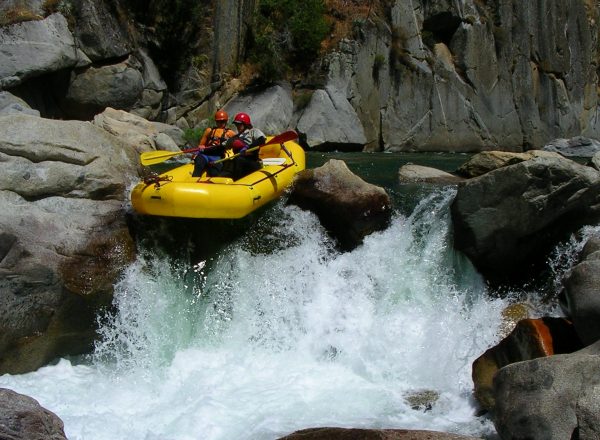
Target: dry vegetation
(342,14)
(17,14)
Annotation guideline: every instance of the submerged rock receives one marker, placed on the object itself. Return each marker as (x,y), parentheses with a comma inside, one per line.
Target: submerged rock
(371,434)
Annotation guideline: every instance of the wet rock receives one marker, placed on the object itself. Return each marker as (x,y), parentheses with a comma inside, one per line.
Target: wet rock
(422,400)
(511,316)
(531,338)
(411,173)
(581,293)
(508,220)
(346,205)
(549,398)
(371,434)
(23,418)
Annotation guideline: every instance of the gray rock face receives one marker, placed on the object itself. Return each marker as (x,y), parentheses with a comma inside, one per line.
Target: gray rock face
(329,119)
(595,162)
(97,31)
(270,110)
(505,220)
(63,237)
(551,398)
(34,48)
(447,76)
(22,418)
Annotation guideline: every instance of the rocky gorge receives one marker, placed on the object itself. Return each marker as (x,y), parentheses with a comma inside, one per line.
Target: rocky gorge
(503,78)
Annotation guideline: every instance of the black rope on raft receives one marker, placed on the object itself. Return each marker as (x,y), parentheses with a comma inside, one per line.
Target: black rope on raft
(153,178)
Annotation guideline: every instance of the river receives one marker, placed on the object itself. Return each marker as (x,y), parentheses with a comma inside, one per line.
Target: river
(272,330)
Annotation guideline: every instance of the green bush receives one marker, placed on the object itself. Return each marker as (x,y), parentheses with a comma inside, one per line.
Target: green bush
(192,136)
(286,34)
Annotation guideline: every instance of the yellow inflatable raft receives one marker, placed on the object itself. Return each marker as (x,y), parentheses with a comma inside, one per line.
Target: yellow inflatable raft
(177,194)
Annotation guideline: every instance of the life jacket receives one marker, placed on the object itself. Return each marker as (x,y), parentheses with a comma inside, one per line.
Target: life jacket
(214,140)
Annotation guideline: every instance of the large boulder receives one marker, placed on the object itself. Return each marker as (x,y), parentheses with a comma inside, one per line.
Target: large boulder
(23,418)
(118,86)
(507,220)
(487,161)
(550,398)
(35,48)
(530,339)
(138,133)
(582,293)
(63,236)
(579,146)
(346,205)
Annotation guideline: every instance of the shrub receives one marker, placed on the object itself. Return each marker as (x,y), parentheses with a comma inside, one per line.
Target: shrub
(192,136)
(378,63)
(286,33)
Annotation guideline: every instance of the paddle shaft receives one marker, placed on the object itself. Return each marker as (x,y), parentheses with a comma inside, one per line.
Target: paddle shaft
(279,139)
(155,157)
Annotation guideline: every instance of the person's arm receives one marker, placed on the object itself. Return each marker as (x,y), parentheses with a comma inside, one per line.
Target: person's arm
(258,137)
(204,138)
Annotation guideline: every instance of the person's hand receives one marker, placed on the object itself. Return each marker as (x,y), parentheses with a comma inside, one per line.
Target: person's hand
(239,145)
(201,147)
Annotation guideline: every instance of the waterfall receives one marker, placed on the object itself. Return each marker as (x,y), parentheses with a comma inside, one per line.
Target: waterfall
(280,332)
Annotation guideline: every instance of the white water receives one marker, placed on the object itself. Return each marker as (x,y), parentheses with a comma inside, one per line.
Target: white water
(255,346)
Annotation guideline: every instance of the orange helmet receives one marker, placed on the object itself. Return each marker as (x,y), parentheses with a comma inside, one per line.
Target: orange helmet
(221,115)
(242,118)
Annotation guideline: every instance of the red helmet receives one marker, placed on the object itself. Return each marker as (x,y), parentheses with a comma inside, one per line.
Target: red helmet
(242,118)
(221,115)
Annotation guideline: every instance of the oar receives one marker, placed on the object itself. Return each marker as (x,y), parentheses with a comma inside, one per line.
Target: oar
(154,157)
(279,139)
